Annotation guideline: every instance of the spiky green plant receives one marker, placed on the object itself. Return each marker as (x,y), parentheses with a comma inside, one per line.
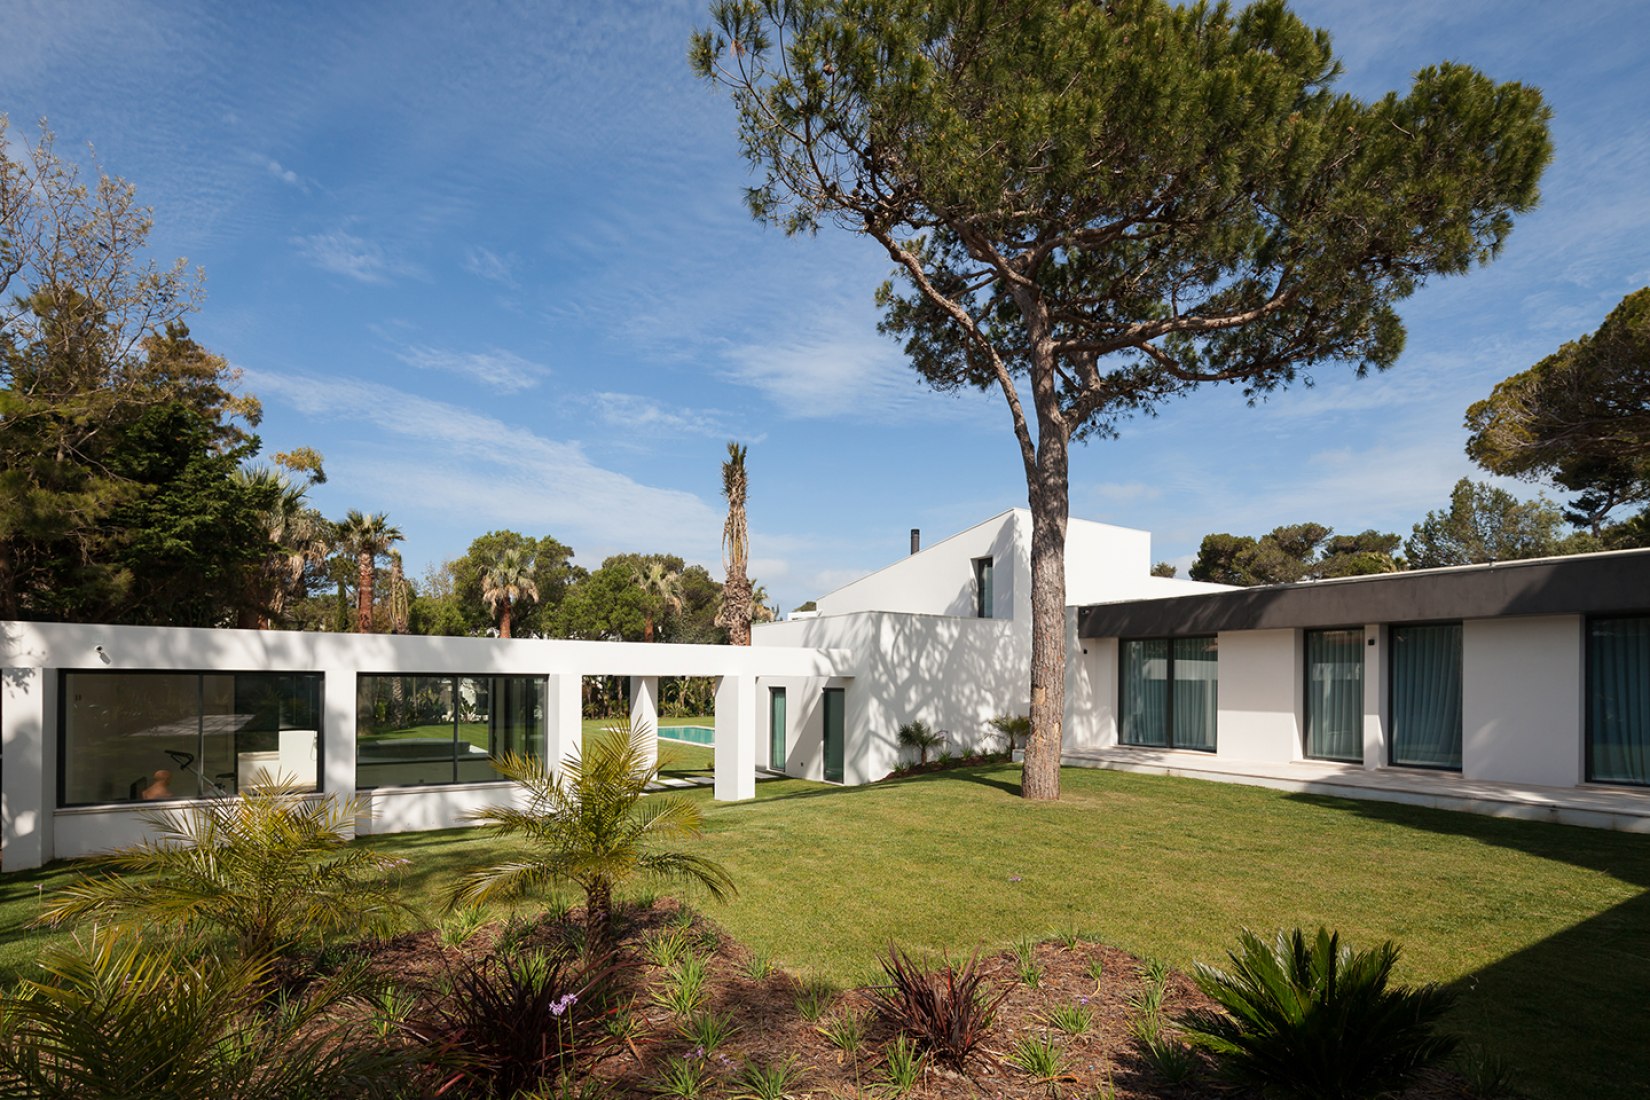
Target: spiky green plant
(589,825)
(117,1018)
(1037,1056)
(273,868)
(774,1081)
(918,735)
(1311,1017)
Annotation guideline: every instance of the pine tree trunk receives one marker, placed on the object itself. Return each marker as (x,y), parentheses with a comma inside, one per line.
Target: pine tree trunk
(1050,506)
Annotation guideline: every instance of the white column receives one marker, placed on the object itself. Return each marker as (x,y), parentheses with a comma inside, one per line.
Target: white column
(338,703)
(735,738)
(644,711)
(565,708)
(1374,702)
(27,799)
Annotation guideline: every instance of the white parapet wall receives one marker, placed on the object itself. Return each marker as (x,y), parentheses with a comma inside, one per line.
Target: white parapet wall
(33,657)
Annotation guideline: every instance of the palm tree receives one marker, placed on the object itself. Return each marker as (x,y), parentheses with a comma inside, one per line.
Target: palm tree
(368,538)
(507,582)
(400,597)
(589,825)
(661,592)
(735,612)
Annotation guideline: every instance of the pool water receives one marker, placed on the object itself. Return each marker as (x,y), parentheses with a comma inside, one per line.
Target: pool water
(698,735)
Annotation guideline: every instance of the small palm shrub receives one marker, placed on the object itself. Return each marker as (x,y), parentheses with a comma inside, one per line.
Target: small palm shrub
(513,1021)
(919,735)
(945,1012)
(116,1018)
(273,868)
(1311,1017)
(1015,728)
(589,825)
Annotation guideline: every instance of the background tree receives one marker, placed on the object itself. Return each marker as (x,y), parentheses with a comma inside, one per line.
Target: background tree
(297,538)
(506,583)
(1579,419)
(735,614)
(1102,206)
(1484,524)
(400,600)
(1291,553)
(553,572)
(366,538)
(661,588)
(1164,569)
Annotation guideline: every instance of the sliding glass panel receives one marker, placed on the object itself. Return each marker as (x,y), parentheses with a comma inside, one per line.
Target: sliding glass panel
(1335,695)
(1196,685)
(1145,695)
(475,708)
(125,735)
(1426,695)
(404,731)
(1618,700)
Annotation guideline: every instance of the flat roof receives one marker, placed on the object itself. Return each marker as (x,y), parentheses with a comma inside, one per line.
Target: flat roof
(1583,584)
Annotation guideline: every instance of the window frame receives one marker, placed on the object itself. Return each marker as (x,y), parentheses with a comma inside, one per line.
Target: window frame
(453,679)
(985,587)
(1306,691)
(1587,706)
(1169,681)
(1391,733)
(62,739)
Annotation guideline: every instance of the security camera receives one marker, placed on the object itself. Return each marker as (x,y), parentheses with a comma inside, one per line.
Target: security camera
(98,650)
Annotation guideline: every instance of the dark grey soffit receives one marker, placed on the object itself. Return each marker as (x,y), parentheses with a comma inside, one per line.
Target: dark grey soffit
(1588,584)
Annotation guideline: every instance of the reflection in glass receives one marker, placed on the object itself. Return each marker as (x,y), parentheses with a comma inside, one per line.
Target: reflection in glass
(1335,695)
(427,730)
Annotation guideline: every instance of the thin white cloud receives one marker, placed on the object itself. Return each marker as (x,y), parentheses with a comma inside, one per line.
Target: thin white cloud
(284,174)
(487,264)
(820,378)
(498,370)
(465,463)
(343,253)
(638,413)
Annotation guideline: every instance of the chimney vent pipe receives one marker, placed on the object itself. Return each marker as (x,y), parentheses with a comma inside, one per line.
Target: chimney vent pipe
(916,539)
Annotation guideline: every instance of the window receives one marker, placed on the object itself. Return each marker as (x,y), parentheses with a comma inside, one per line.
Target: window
(426,730)
(1426,695)
(1169,693)
(1335,695)
(1618,700)
(150,736)
(983,595)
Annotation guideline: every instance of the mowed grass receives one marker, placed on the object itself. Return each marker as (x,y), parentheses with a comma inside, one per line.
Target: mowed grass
(1544,930)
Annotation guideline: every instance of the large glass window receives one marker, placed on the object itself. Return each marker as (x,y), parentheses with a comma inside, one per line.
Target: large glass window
(418,730)
(1335,695)
(150,736)
(1618,700)
(1169,693)
(1426,695)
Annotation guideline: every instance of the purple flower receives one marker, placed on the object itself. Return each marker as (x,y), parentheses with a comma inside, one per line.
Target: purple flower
(567,1002)
(699,1052)
(1014,878)
(1082,1000)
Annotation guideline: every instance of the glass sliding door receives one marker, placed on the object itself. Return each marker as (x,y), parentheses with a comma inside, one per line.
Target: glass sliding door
(1618,700)
(1195,673)
(1426,695)
(1335,695)
(1145,696)
(1168,695)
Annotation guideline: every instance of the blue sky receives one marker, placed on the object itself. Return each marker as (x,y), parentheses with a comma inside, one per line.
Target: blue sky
(493,262)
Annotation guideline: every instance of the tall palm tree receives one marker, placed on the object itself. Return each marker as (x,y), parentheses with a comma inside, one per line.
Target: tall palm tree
(735,612)
(400,597)
(368,538)
(589,825)
(661,592)
(508,581)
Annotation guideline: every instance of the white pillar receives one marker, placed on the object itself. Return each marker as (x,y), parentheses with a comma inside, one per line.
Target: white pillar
(644,711)
(735,738)
(338,705)
(28,798)
(1375,721)
(565,709)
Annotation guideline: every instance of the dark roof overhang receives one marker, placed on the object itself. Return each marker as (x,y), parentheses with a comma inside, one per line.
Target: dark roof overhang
(1585,584)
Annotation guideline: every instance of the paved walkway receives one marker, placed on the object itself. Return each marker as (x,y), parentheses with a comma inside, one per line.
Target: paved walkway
(1598,807)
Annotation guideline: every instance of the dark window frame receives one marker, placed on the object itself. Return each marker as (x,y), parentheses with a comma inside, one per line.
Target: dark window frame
(1587,706)
(985,587)
(453,678)
(1169,681)
(1306,691)
(1391,672)
(62,736)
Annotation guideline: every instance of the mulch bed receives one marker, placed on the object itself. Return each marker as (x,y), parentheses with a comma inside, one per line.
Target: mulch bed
(771,1027)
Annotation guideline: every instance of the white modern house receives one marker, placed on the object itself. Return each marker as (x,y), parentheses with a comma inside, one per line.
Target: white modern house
(1520,688)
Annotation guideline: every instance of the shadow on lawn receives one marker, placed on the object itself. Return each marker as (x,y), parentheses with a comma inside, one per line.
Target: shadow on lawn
(1580,991)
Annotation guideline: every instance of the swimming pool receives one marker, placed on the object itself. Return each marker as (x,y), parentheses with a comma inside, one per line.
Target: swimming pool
(698,735)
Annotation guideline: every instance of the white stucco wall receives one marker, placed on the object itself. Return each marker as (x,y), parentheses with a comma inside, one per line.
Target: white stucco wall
(1260,695)
(1521,700)
(939,580)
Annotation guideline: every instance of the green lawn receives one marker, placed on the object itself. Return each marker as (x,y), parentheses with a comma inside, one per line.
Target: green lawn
(1544,929)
